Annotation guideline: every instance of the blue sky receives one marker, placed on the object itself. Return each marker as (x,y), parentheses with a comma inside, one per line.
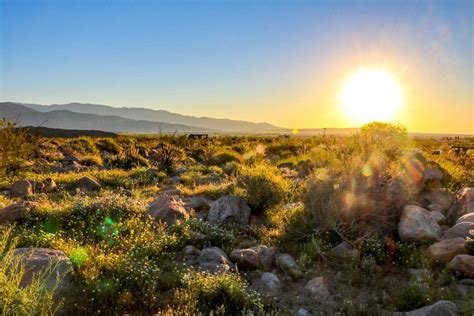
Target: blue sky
(275,61)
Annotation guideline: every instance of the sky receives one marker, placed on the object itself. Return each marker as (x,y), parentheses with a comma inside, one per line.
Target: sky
(281,62)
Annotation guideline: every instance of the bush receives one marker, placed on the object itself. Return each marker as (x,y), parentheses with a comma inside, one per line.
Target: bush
(264,186)
(16,146)
(108,145)
(227,294)
(413,295)
(35,298)
(224,156)
(82,146)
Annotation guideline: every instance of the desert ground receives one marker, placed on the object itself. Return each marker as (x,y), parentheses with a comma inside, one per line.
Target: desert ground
(375,223)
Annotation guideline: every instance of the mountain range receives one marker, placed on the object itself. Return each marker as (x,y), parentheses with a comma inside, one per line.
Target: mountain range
(83,116)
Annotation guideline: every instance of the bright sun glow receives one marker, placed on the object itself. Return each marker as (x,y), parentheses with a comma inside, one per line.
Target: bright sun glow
(370,94)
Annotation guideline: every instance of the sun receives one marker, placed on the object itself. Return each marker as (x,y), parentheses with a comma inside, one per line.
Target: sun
(370,94)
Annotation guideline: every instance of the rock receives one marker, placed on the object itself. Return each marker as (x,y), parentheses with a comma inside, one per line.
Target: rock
(302,312)
(435,208)
(37,186)
(459,230)
(318,289)
(214,260)
(467,218)
(437,196)
(70,159)
(43,260)
(440,308)
(191,251)
(433,175)
(13,212)
(415,171)
(417,225)
(463,204)
(256,257)
(169,190)
(345,251)
(49,185)
(447,249)
(168,209)
(87,184)
(286,263)
(269,284)
(175,180)
(197,203)
(72,167)
(153,172)
(181,171)
(463,264)
(438,217)
(229,208)
(21,188)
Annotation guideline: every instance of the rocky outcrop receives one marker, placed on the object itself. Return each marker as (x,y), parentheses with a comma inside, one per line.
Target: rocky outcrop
(229,208)
(440,308)
(417,225)
(21,188)
(344,251)
(463,264)
(214,260)
(168,209)
(261,257)
(447,249)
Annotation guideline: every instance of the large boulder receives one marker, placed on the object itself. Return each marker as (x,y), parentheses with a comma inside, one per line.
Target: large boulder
(459,230)
(437,196)
(229,208)
(21,188)
(440,308)
(447,249)
(13,212)
(269,284)
(463,264)
(168,209)
(463,204)
(197,203)
(467,218)
(214,260)
(54,263)
(256,257)
(417,225)
(87,184)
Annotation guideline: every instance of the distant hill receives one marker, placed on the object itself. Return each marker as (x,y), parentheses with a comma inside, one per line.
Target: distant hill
(26,116)
(142,114)
(66,133)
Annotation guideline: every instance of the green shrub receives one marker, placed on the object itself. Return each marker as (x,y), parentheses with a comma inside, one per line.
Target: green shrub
(16,146)
(264,186)
(82,146)
(36,298)
(413,295)
(224,156)
(227,294)
(109,145)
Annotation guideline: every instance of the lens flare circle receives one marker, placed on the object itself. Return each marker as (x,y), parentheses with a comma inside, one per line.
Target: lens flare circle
(370,94)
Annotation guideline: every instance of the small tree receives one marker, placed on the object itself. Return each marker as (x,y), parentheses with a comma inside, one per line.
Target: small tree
(16,146)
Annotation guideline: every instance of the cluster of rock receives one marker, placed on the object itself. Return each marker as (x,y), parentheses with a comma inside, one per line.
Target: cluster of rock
(25,188)
(69,164)
(445,223)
